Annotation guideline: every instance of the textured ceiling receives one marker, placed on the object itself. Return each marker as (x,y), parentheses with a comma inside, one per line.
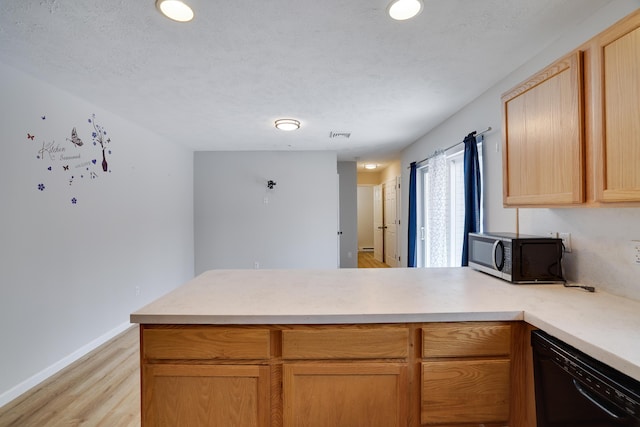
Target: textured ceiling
(219,82)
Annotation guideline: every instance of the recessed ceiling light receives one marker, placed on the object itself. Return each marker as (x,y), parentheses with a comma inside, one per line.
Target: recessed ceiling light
(175,9)
(370,166)
(287,124)
(404,9)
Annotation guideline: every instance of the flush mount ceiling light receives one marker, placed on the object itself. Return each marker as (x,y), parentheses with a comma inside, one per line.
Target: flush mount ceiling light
(370,166)
(287,124)
(404,9)
(175,9)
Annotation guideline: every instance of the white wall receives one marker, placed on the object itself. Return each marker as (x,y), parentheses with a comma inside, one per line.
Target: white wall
(68,272)
(296,228)
(600,236)
(365,216)
(348,175)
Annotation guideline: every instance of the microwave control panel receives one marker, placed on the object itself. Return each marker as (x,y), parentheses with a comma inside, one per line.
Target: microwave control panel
(507,259)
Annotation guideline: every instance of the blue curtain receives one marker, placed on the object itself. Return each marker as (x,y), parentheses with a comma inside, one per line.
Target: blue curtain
(472,193)
(413,214)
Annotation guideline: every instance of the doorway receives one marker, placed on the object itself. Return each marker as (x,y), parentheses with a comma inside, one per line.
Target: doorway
(378,222)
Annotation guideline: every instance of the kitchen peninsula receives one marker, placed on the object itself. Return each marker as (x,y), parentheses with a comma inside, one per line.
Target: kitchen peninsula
(406,347)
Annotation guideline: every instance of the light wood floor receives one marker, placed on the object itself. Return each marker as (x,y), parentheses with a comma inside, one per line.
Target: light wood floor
(366,260)
(100,389)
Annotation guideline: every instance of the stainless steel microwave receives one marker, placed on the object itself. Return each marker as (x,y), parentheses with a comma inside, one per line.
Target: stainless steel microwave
(517,258)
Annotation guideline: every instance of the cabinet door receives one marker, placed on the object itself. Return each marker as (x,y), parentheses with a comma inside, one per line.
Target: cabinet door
(543,137)
(616,89)
(465,391)
(354,394)
(205,395)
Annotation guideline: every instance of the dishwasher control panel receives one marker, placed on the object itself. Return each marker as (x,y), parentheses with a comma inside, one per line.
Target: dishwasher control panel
(594,380)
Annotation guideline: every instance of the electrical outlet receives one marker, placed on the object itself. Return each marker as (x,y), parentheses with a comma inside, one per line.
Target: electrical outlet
(635,252)
(566,241)
(137,289)
(256,265)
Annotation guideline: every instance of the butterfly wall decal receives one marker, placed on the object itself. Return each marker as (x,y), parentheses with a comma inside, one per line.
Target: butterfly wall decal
(66,167)
(75,139)
(29,136)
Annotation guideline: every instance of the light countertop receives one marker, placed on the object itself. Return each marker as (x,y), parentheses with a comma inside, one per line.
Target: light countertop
(605,326)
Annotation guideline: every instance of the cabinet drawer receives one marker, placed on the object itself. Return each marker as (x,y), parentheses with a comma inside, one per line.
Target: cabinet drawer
(465,391)
(202,343)
(465,340)
(345,343)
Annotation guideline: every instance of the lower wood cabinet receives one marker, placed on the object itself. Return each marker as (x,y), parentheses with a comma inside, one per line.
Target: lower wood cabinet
(205,395)
(466,373)
(345,394)
(465,391)
(404,375)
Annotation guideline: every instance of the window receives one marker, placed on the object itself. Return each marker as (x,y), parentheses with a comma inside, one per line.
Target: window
(441,208)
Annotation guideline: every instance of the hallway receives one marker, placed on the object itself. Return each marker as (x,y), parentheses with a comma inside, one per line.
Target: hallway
(366,260)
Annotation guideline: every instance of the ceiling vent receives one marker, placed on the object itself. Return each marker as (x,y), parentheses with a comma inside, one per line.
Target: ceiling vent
(339,134)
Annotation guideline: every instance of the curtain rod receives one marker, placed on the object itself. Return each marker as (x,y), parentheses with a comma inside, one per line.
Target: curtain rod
(454,145)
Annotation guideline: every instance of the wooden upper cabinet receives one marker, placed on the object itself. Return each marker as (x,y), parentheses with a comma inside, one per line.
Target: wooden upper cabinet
(571,133)
(615,87)
(543,137)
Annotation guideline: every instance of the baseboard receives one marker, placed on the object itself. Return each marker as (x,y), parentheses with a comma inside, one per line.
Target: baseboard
(36,379)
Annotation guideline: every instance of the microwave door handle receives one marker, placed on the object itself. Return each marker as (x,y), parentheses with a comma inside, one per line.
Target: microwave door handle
(493,258)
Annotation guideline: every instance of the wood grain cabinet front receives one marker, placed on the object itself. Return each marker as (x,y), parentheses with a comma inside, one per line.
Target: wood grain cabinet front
(466,374)
(354,394)
(205,395)
(205,376)
(571,134)
(371,375)
(543,137)
(205,343)
(345,376)
(347,342)
(615,79)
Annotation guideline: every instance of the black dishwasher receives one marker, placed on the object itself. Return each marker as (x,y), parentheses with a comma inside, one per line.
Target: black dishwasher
(575,390)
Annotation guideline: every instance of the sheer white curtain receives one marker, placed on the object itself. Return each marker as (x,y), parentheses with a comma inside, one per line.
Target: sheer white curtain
(437,211)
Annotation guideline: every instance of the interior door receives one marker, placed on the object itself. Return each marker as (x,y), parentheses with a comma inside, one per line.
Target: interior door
(339,240)
(378,224)
(390,223)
